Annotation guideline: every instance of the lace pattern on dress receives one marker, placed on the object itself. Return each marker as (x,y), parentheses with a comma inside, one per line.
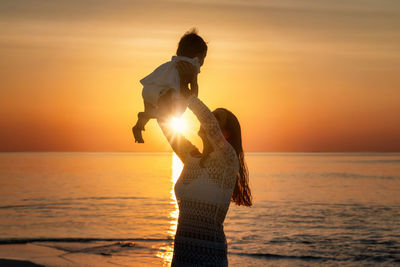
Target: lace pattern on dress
(200,239)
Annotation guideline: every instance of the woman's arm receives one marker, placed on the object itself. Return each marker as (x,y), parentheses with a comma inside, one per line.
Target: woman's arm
(181,146)
(187,73)
(208,122)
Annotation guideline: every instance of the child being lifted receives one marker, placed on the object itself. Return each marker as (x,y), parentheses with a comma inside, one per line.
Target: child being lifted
(163,84)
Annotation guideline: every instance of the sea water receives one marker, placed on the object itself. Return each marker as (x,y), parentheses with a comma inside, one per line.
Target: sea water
(309,208)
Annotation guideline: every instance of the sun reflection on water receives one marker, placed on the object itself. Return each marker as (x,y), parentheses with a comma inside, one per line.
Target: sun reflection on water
(166,252)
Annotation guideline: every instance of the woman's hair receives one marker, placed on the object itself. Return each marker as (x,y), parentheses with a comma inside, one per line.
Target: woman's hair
(191,44)
(241,193)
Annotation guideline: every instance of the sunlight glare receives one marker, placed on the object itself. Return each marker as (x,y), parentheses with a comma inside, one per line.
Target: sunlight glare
(178,124)
(177,167)
(166,252)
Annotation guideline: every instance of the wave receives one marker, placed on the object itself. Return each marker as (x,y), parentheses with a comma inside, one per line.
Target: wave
(38,206)
(375,161)
(278,256)
(356,258)
(45,203)
(84,198)
(356,175)
(77,240)
(109,249)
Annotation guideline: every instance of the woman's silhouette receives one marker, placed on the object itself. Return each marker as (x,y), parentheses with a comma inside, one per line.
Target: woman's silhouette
(208,182)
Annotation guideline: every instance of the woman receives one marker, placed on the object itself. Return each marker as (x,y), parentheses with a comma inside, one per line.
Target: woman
(208,182)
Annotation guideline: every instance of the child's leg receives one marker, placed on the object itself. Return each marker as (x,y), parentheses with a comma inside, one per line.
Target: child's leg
(165,105)
(137,129)
(143,119)
(150,112)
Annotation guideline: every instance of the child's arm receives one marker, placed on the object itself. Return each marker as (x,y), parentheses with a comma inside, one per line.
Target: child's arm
(194,86)
(192,79)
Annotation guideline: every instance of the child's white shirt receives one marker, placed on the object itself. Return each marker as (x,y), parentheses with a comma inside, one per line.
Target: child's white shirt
(164,78)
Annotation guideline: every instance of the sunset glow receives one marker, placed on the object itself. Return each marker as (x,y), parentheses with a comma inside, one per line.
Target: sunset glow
(178,124)
(300,75)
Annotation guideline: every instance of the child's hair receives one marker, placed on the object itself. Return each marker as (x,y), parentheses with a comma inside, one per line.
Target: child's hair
(191,44)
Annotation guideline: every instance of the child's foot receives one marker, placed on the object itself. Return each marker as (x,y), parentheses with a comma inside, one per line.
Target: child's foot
(137,133)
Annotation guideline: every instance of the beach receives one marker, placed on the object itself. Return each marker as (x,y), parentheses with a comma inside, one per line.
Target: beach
(87,253)
(119,209)
(17,263)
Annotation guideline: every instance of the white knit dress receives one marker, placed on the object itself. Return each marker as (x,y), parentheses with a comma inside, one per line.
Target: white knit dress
(203,193)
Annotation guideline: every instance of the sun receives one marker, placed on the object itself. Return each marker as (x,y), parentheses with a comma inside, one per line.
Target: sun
(178,124)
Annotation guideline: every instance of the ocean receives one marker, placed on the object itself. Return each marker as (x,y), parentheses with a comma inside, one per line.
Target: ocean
(119,209)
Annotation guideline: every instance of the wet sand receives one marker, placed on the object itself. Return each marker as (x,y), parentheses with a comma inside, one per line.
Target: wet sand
(18,263)
(30,255)
(72,254)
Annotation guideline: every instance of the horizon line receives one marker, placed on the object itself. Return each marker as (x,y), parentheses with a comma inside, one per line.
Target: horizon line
(148,152)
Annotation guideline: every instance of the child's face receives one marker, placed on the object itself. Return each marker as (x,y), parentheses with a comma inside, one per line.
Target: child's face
(201,57)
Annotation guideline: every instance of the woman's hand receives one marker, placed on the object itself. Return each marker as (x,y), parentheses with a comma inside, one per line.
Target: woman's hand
(187,74)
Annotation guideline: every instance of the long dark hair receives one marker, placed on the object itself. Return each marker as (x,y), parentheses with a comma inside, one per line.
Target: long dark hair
(241,193)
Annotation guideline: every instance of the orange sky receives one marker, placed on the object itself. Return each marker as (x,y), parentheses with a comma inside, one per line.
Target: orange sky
(300,75)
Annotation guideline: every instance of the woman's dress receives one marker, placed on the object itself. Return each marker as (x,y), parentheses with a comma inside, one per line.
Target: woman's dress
(203,193)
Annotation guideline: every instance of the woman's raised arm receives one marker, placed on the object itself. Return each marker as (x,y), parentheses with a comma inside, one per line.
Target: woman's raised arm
(203,113)
(181,146)
(208,122)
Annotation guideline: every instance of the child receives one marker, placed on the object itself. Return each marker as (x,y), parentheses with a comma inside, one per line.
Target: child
(163,84)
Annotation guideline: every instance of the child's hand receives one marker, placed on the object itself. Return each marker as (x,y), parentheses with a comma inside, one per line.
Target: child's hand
(194,86)
(187,72)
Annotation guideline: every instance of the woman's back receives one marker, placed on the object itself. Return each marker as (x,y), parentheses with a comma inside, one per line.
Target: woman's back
(204,194)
